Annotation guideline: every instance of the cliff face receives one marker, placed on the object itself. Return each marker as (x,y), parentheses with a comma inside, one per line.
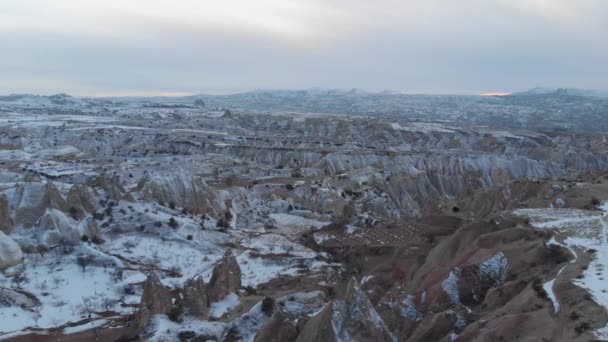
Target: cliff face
(181,190)
(351,318)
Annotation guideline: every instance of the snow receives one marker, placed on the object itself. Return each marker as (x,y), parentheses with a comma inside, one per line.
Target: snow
(495,268)
(166,253)
(66,293)
(584,230)
(218,309)
(450,286)
(277,244)
(258,270)
(197,131)
(409,310)
(86,326)
(294,221)
(166,330)
(425,127)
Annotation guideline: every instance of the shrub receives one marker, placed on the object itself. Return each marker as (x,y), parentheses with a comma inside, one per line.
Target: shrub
(595,201)
(74,213)
(582,327)
(537,286)
(175,272)
(97,240)
(250,290)
(175,314)
(186,335)
(296,173)
(232,335)
(574,315)
(189,237)
(173,223)
(268,306)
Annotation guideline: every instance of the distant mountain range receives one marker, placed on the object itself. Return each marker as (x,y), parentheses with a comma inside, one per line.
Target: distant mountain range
(563,91)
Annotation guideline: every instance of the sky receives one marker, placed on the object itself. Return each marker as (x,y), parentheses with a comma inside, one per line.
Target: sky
(157,47)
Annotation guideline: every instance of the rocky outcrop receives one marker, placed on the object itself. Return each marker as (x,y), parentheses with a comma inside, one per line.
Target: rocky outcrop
(156,299)
(186,191)
(83,201)
(31,200)
(56,226)
(88,227)
(6,222)
(226,277)
(280,329)
(111,186)
(13,298)
(194,298)
(352,318)
(10,252)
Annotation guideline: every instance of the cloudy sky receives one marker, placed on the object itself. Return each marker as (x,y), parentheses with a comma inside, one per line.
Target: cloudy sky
(152,47)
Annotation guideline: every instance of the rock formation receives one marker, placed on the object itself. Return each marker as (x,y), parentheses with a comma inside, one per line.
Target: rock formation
(6,222)
(189,192)
(111,185)
(351,318)
(82,198)
(194,298)
(10,252)
(156,299)
(280,329)
(226,277)
(55,226)
(31,200)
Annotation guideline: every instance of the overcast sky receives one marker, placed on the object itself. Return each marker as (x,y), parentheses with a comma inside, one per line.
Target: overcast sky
(152,47)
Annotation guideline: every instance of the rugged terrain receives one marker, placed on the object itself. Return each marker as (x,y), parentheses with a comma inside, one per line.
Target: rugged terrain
(304,216)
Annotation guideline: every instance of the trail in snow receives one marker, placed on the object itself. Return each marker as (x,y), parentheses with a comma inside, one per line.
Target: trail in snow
(548,286)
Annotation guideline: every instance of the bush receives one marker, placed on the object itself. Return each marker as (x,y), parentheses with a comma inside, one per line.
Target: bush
(232,335)
(189,237)
(175,272)
(74,213)
(595,201)
(537,286)
(173,223)
(268,306)
(175,314)
(296,173)
(582,327)
(97,240)
(250,290)
(186,335)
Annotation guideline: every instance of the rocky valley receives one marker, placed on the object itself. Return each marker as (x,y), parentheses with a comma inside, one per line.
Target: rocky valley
(315,215)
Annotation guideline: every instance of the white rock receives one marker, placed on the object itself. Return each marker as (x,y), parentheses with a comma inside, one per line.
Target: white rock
(10,252)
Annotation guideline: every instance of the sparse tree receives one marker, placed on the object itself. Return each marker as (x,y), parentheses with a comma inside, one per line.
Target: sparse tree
(84,261)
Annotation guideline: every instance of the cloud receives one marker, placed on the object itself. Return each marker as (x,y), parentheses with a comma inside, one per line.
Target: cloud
(189,46)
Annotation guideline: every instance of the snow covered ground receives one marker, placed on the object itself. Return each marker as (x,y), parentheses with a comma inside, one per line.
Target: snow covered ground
(65,291)
(581,231)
